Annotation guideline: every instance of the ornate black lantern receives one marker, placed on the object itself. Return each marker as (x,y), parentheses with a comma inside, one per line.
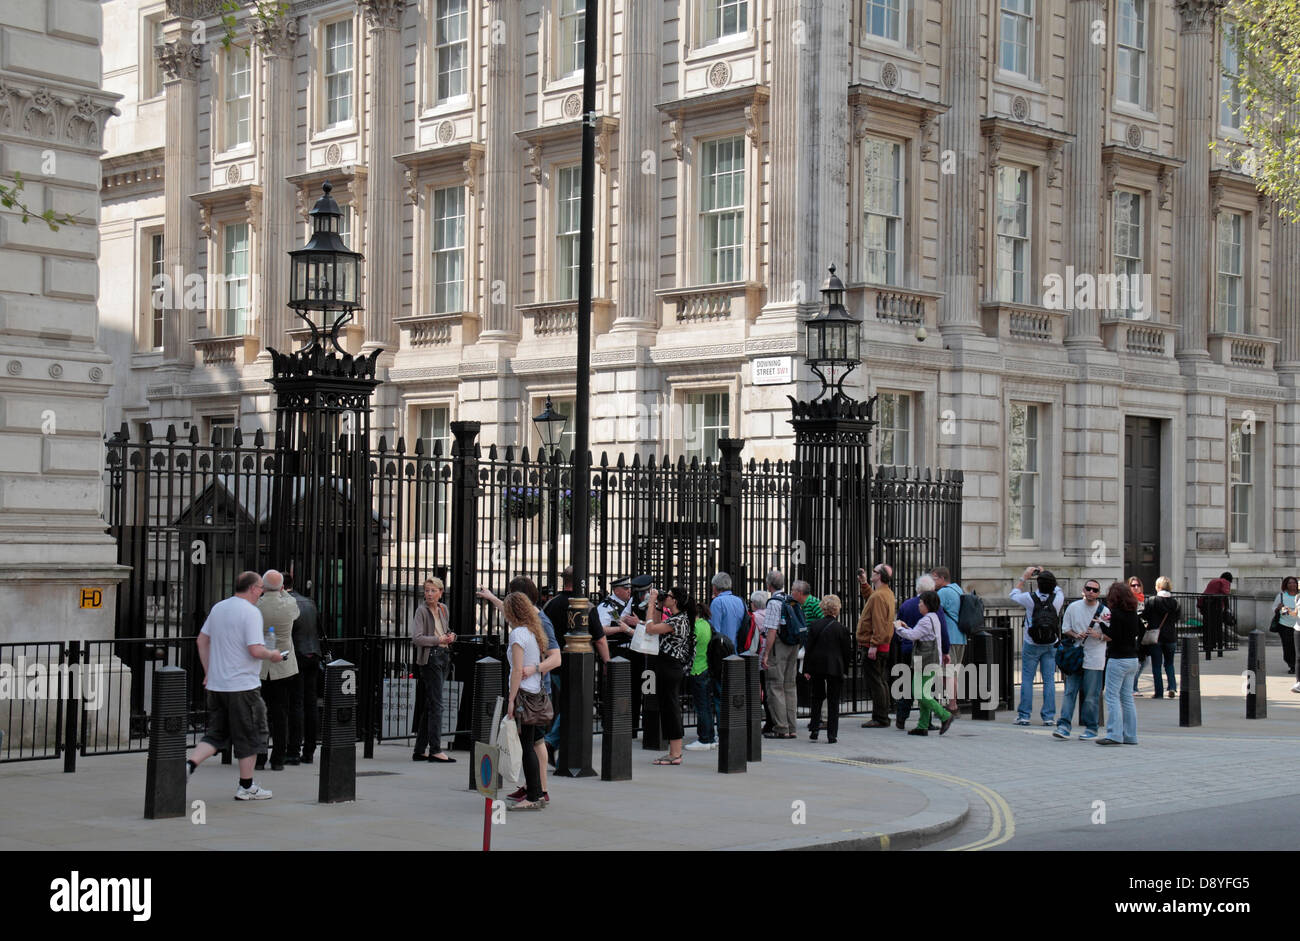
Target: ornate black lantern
(326,275)
(834,340)
(550,425)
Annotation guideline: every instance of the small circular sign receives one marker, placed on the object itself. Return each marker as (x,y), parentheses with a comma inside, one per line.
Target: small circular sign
(485,770)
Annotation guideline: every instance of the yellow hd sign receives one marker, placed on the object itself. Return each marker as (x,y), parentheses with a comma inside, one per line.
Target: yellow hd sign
(92,597)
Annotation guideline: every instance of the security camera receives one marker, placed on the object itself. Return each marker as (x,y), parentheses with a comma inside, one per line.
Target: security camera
(921,334)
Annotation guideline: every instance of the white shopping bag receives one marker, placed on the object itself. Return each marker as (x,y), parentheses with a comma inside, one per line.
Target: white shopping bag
(511,762)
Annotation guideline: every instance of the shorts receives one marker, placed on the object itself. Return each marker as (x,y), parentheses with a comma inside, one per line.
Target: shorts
(237,719)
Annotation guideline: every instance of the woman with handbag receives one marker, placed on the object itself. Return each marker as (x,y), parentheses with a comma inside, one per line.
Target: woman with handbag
(1121,635)
(1284,619)
(1161,614)
(528,704)
(676,651)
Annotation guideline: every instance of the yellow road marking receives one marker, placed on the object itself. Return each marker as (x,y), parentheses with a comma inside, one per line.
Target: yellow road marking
(1003,826)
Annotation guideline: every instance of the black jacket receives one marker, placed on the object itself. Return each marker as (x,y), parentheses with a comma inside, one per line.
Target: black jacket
(829,649)
(1166,609)
(306,641)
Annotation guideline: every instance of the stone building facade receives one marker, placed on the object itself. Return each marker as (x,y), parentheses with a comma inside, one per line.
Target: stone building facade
(58,571)
(979,171)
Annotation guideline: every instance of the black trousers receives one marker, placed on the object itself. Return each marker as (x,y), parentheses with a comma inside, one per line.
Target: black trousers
(1213,633)
(276,693)
(528,736)
(825,688)
(428,702)
(877,672)
(668,684)
(304,715)
(1287,636)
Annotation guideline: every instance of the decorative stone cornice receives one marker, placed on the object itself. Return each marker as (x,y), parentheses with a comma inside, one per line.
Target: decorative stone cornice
(49,113)
(129,174)
(180,59)
(1197,15)
(383,14)
(275,35)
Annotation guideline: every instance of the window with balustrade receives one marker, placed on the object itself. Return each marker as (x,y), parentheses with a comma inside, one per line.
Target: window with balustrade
(722,210)
(235,314)
(448,249)
(1128,256)
(1230,278)
(883,208)
(1012,217)
(568,223)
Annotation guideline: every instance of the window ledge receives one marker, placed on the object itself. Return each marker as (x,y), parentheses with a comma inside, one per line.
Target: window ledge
(424,331)
(237,351)
(149,359)
(1139,337)
(242,152)
(334,132)
(455,105)
(887,306)
(725,45)
(1016,80)
(548,319)
(1243,350)
(1127,109)
(890,47)
(709,303)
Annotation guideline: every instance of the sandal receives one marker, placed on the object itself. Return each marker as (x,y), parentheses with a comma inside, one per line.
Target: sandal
(668,760)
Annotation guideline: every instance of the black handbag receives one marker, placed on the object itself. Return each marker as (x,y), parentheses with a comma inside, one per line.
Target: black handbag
(1275,625)
(534,708)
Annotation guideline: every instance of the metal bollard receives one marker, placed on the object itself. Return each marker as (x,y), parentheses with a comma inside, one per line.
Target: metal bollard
(164,785)
(487,689)
(1256,677)
(753,710)
(579,694)
(616,720)
(338,754)
(733,727)
(985,704)
(1189,699)
(651,732)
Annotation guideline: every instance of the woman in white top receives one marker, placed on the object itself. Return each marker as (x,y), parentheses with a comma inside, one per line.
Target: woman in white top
(1285,605)
(527,641)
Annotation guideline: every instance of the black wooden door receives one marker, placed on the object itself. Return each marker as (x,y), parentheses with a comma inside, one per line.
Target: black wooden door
(1142,500)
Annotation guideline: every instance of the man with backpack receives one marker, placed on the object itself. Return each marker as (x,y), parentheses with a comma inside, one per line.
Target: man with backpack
(786,631)
(728,610)
(1083,661)
(1042,631)
(950,597)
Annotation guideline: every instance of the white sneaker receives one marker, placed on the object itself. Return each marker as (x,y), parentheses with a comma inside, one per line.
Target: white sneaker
(254,793)
(1296,688)
(697,745)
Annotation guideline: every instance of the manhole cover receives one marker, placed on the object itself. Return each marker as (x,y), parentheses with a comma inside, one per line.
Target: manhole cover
(873,760)
(374,774)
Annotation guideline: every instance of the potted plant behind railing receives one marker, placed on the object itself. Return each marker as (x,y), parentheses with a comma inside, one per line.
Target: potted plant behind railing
(595,508)
(518,504)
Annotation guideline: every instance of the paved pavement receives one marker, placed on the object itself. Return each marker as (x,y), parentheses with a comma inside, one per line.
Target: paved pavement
(984,785)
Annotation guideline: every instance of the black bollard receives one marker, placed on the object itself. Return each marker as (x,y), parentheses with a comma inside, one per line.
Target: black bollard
(579,695)
(733,725)
(338,754)
(487,690)
(988,695)
(753,709)
(651,733)
(1189,699)
(616,720)
(1256,677)
(164,786)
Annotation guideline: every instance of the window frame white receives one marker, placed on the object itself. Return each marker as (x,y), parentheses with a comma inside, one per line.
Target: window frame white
(900,15)
(1242,453)
(1229,84)
(433,513)
(889,427)
(440,251)
(442,48)
(1022,291)
(326,121)
(564,268)
(568,54)
(895,221)
(1141,54)
(1029,22)
(1224,314)
(227,126)
(1127,265)
(712,16)
(1015,511)
(150,71)
(693,438)
(231,281)
(153,258)
(709,218)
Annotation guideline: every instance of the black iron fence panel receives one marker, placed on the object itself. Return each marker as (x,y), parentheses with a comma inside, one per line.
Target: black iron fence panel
(36,679)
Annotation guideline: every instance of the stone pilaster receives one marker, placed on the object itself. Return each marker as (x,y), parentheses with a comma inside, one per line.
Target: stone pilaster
(1285,269)
(1083,195)
(276,38)
(1193,227)
(54,377)
(809,129)
(383,230)
(639,131)
(181,62)
(503,193)
(959,132)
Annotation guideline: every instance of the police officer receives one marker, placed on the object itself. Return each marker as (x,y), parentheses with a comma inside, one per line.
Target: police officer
(615,612)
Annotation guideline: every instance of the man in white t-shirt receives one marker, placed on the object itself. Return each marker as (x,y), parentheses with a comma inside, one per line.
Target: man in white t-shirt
(231,648)
(1082,622)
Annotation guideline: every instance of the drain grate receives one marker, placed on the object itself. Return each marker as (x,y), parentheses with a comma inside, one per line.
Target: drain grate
(375,774)
(874,760)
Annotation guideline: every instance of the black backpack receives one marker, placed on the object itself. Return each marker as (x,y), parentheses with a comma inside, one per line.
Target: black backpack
(720,648)
(745,639)
(793,629)
(1069,656)
(1044,622)
(970,615)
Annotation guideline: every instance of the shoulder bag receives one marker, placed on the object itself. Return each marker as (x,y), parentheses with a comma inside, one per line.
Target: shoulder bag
(1152,635)
(534,708)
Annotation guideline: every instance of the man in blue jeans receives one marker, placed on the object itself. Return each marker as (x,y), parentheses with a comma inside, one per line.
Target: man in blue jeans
(1084,686)
(1035,657)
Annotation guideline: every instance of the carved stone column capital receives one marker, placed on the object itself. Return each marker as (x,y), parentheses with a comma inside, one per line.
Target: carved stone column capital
(383,14)
(1197,15)
(275,35)
(180,60)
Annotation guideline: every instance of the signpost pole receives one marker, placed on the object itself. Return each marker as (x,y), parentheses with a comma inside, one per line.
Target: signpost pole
(487,824)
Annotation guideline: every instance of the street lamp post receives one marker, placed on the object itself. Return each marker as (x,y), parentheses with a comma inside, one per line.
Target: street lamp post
(834,341)
(325,275)
(550,426)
